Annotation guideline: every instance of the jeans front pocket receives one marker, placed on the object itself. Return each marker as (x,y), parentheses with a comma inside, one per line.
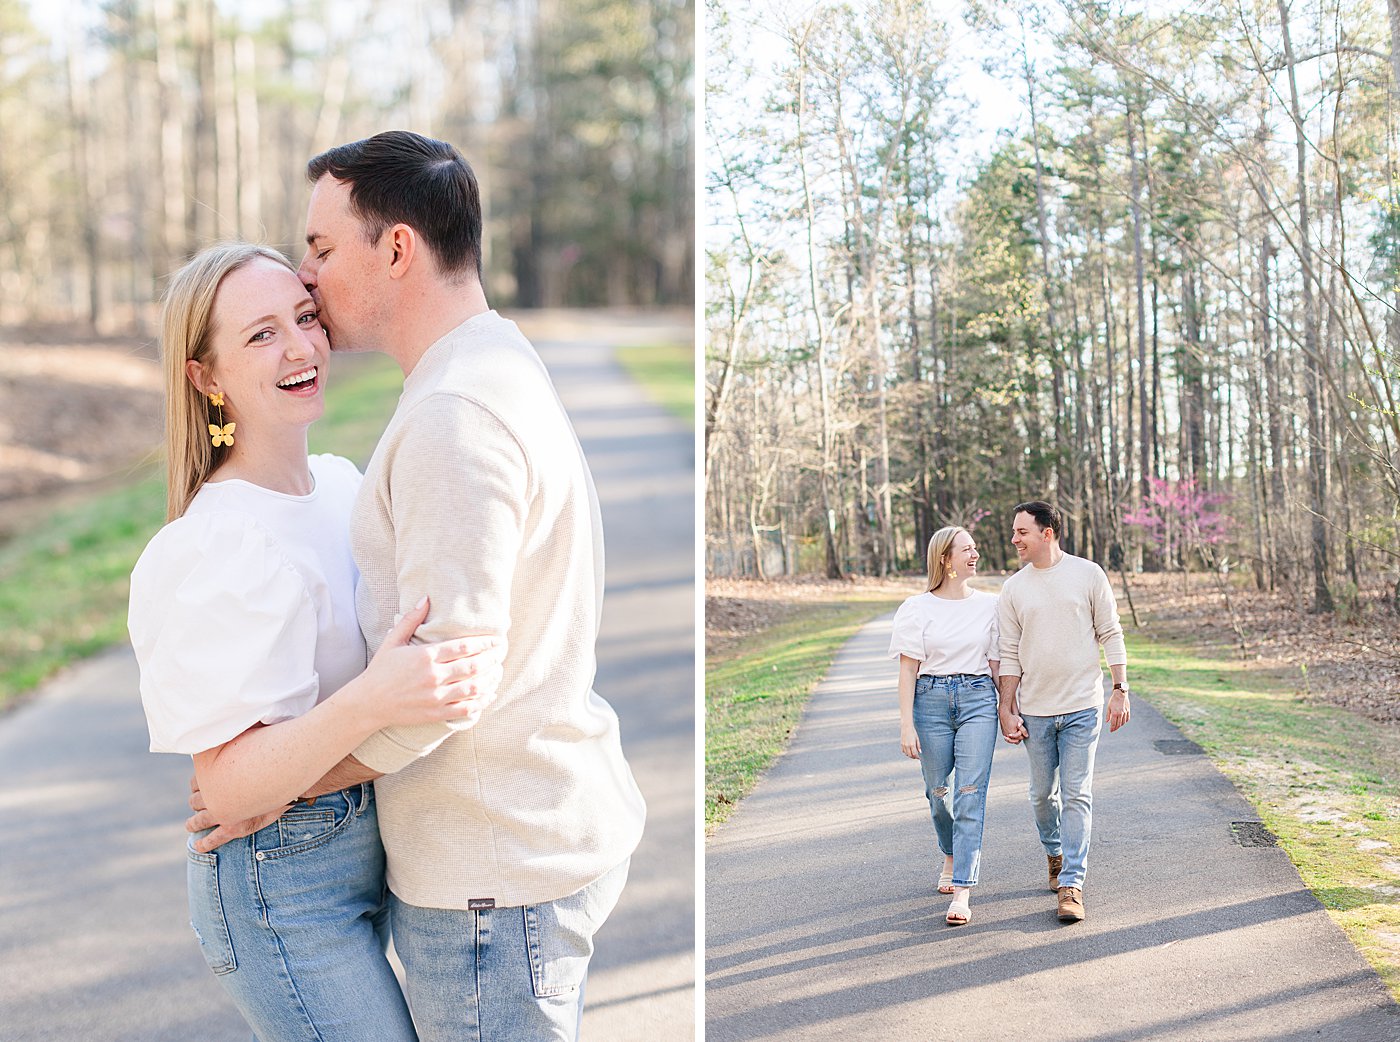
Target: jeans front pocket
(985,688)
(207,911)
(559,933)
(302,825)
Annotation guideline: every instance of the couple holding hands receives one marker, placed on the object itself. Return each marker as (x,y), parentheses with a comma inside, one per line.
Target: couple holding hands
(1025,662)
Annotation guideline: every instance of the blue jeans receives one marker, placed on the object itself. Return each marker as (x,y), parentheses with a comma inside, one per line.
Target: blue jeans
(513,974)
(292,920)
(955,718)
(1061,750)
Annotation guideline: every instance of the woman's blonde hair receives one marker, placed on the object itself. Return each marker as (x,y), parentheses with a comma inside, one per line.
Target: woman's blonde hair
(186,325)
(939,547)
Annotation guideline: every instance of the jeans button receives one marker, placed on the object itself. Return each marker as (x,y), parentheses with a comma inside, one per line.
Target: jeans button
(259,855)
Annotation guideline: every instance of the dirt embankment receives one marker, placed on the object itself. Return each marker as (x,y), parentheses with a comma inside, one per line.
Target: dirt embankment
(79,410)
(734,608)
(76,411)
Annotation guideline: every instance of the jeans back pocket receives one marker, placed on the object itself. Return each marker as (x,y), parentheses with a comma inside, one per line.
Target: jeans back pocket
(207,912)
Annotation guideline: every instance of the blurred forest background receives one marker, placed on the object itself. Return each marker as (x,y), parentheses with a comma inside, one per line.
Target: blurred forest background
(1164,297)
(136,131)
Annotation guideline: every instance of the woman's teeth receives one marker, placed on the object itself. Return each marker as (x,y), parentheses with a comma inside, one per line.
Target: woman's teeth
(299,378)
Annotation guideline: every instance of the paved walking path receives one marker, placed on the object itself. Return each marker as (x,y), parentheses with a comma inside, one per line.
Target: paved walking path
(94,937)
(824,922)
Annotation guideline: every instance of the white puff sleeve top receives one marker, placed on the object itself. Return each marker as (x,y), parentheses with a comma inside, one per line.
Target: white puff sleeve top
(243,610)
(947,636)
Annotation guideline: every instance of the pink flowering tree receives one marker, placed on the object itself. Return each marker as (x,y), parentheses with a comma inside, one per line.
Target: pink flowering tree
(1178,518)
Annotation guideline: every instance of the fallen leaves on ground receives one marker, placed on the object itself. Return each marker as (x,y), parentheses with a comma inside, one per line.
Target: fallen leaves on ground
(735,608)
(1348,658)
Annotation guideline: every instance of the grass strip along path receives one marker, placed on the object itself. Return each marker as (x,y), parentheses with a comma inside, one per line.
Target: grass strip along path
(64,582)
(755,692)
(667,372)
(1324,780)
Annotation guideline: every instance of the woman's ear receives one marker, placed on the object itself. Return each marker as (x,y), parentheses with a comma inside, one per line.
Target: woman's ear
(198,376)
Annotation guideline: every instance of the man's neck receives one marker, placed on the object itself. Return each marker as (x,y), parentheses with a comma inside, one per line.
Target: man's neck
(1055,556)
(429,316)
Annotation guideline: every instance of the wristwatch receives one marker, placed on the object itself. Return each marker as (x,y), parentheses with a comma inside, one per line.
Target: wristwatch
(1123,687)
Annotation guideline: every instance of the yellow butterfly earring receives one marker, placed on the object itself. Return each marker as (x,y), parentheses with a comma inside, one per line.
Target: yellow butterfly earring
(220,433)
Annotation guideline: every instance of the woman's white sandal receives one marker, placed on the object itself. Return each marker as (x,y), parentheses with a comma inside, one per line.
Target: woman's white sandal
(945,882)
(959,912)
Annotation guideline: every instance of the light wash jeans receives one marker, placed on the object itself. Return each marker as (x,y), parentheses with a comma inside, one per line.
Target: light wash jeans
(1061,750)
(293,919)
(955,718)
(513,974)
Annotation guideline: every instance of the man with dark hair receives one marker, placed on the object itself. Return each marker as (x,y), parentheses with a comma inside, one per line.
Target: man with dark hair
(1054,616)
(402,178)
(508,840)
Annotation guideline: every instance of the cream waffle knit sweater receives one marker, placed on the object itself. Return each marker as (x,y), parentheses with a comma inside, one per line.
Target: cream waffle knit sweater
(1053,622)
(478,495)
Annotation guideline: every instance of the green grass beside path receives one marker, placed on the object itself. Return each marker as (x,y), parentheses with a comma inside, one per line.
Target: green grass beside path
(754,693)
(64,581)
(667,373)
(1324,780)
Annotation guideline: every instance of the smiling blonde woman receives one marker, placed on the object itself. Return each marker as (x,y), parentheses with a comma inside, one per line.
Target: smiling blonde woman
(252,661)
(945,640)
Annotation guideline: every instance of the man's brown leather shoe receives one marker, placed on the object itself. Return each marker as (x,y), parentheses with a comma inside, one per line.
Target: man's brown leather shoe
(1071,904)
(1056,863)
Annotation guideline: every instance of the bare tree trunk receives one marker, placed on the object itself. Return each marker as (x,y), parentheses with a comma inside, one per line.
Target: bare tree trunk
(79,103)
(717,397)
(327,131)
(1043,231)
(225,139)
(202,219)
(174,246)
(1145,443)
(1273,384)
(140,271)
(1392,313)
(824,430)
(1317,445)
(1157,464)
(249,157)
(1192,378)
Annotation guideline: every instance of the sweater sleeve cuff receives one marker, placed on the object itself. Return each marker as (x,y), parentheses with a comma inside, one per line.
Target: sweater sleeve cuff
(394,748)
(1115,652)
